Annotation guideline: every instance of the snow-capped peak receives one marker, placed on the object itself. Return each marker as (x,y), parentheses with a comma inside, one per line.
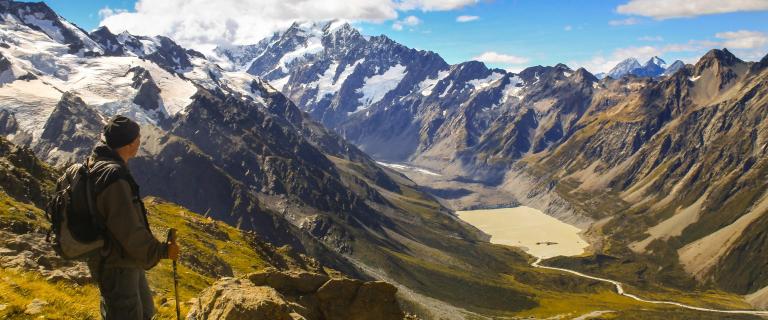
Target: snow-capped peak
(657,61)
(623,68)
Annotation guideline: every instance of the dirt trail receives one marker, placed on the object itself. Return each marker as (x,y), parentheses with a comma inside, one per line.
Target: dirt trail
(620,290)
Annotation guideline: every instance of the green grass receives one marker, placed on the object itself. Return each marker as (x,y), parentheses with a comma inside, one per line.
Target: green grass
(210,242)
(15,212)
(65,300)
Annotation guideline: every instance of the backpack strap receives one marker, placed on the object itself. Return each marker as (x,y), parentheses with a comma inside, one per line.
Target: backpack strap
(96,217)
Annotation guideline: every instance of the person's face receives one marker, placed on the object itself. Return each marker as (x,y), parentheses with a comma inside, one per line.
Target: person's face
(135,146)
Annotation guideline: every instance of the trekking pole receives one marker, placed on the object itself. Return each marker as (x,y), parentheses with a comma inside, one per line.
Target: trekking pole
(172,239)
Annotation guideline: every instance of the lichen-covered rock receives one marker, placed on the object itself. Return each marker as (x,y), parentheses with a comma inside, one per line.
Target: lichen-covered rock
(273,294)
(235,299)
(299,282)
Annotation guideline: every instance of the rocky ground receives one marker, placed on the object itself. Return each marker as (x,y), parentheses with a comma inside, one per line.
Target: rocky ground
(279,295)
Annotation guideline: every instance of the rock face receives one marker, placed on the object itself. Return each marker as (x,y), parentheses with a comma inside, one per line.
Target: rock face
(148,94)
(71,130)
(39,16)
(293,295)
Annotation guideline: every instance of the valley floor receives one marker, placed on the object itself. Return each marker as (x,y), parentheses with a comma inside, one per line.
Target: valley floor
(511,224)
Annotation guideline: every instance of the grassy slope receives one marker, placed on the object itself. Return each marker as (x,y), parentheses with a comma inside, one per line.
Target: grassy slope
(205,239)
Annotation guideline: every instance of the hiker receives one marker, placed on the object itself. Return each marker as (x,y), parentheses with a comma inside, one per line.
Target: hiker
(130,247)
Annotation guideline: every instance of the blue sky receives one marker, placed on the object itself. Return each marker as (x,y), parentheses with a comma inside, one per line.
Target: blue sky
(506,34)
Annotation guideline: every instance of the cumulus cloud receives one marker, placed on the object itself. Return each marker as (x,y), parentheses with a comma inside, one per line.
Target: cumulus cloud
(203,24)
(743,39)
(466,18)
(500,58)
(108,12)
(410,21)
(624,22)
(665,9)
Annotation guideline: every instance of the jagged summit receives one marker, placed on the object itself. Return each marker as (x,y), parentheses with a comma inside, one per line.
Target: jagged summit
(624,67)
(582,75)
(718,56)
(655,60)
(677,65)
(653,68)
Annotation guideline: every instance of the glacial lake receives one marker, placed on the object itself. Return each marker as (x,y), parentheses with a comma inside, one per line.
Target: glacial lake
(535,232)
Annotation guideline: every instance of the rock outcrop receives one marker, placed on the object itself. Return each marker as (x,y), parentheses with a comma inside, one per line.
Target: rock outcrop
(292,295)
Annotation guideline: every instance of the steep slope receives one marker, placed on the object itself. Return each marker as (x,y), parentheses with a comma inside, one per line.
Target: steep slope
(676,173)
(331,70)
(618,154)
(228,144)
(32,271)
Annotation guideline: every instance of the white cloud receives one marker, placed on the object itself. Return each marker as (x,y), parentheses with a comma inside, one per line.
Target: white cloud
(466,18)
(500,58)
(434,5)
(651,38)
(203,24)
(666,9)
(410,21)
(108,12)
(743,39)
(568,28)
(624,22)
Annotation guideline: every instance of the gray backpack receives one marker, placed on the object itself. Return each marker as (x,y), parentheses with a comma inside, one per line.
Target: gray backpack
(77,230)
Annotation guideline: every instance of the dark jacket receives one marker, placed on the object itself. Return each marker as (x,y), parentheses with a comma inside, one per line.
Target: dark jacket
(130,242)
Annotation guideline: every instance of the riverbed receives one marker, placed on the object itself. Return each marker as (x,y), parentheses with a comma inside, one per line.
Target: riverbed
(535,232)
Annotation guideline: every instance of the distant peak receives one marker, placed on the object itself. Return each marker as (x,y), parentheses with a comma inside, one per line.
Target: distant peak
(629,61)
(562,66)
(582,75)
(656,60)
(102,30)
(723,57)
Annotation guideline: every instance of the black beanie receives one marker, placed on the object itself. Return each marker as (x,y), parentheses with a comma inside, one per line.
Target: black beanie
(120,131)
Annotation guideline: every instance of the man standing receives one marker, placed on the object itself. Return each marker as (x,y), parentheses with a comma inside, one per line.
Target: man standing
(130,248)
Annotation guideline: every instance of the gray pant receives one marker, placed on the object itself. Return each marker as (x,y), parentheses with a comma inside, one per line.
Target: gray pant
(124,294)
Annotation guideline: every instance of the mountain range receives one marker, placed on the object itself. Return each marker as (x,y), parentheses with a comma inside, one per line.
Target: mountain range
(659,166)
(284,138)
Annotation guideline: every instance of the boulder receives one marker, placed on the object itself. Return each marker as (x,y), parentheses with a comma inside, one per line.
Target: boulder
(273,294)
(35,307)
(353,299)
(236,299)
(294,282)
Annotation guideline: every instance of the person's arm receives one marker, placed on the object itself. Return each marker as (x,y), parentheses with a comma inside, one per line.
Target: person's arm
(123,220)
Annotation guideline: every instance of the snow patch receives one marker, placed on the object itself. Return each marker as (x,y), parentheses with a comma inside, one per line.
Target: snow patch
(37,19)
(326,85)
(280,83)
(376,87)
(426,86)
(31,102)
(313,46)
(512,89)
(481,84)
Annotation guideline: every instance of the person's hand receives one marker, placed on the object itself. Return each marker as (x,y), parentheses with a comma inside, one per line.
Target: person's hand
(173,251)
